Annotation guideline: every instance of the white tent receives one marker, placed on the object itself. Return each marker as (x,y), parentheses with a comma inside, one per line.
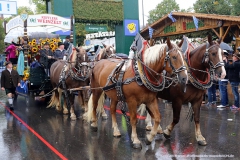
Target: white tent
(18,32)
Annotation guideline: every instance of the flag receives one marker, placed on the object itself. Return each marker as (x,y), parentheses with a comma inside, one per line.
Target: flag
(195,20)
(171,17)
(150,31)
(187,46)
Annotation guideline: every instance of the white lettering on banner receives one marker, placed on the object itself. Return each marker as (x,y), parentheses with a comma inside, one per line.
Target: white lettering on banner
(13,23)
(100,34)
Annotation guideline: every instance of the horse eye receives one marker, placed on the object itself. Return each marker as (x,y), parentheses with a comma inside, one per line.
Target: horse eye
(214,54)
(174,57)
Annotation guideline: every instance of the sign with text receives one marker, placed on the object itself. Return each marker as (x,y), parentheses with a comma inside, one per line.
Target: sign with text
(13,23)
(8,7)
(92,28)
(100,35)
(49,20)
(131,27)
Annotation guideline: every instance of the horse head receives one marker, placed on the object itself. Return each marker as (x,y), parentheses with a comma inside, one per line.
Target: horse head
(174,62)
(105,52)
(211,56)
(82,63)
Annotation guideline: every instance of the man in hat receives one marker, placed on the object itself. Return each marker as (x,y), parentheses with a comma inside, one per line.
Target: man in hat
(46,57)
(233,76)
(60,51)
(66,42)
(10,79)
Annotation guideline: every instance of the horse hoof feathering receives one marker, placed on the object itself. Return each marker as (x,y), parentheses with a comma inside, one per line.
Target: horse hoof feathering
(94,129)
(137,146)
(166,136)
(148,128)
(147,141)
(202,143)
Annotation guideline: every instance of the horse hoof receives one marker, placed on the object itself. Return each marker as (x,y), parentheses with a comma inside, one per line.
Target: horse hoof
(94,129)
(65,112)
(202,143)
(159,132)
(117,135)
(166,136)
(137,146)
(147,142)
(73,118)
(104,117)
(148,128)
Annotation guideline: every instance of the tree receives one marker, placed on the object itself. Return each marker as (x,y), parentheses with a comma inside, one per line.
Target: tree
(222,7)
(235,7)
(24,9)
(166,6)
(40,6)
(2,36)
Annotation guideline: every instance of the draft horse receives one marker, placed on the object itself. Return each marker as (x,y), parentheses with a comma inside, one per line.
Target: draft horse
(203,63)
(141,78)
(71,74)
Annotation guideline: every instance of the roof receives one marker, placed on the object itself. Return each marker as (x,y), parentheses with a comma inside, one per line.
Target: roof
(162,21)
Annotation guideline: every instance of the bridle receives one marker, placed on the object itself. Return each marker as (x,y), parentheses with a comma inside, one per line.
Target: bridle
(211,73)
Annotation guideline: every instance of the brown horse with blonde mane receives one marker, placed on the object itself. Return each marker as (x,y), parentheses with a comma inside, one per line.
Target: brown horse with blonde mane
(203,63)
(75,73)
(150,62)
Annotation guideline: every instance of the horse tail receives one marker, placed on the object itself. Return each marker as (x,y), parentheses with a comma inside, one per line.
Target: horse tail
(99,107)
(53,101)
(141,109)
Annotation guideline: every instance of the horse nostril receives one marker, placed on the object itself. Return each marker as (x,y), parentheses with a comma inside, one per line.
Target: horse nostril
(184,79)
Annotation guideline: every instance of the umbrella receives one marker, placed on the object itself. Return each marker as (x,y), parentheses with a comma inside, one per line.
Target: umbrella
(225,46)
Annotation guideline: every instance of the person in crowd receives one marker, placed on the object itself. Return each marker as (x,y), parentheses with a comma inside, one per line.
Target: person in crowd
(67,42)
(233,75)
(10,79)
(11,53)
(60,51)
(46,57)
(211,93)
(223,85)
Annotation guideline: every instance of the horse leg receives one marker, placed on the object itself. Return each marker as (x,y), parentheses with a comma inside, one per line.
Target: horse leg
(196,109)
(96,99)
(176,106)
(72,116)
(154,112)
(148,121)
(80,100)
(116,132)
(132,106)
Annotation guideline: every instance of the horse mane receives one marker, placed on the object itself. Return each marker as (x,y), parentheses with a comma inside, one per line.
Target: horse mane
(154,53)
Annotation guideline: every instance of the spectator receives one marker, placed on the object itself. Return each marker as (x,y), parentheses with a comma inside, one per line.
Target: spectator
(11,53)
(10,79)
(66,42)
(211,92)
(233,75)
(223,85)
(60,51)
(46,57)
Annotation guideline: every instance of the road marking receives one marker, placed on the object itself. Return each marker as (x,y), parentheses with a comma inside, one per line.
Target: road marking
(36,134)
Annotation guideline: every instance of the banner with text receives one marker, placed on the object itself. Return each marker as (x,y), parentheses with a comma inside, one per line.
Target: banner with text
(49,20)
(92,28)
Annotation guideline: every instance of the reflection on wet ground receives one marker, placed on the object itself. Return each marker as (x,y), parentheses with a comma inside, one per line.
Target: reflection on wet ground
(75,140)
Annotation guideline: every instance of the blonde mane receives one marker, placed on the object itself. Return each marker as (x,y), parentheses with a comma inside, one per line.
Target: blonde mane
(154,53)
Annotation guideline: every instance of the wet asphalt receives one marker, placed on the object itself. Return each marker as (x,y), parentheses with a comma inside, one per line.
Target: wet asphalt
(50,135)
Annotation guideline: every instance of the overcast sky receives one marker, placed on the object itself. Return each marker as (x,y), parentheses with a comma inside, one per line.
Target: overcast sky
(151,4)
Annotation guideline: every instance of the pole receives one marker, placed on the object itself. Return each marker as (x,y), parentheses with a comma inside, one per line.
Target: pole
(143,13)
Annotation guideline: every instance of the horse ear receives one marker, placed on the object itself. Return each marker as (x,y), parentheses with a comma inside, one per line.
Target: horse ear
(210,39)
(180,44)
(104,45)
(169,43)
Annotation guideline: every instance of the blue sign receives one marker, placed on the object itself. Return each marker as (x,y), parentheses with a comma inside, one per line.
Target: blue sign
(131,27)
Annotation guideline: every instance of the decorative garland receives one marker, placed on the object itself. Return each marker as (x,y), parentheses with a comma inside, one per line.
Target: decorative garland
(104,12)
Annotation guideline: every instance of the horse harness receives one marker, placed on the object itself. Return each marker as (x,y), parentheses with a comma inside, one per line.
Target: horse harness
(140,78)
(195,82)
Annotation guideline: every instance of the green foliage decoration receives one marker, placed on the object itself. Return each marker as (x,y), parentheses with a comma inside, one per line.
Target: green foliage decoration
(98,12)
